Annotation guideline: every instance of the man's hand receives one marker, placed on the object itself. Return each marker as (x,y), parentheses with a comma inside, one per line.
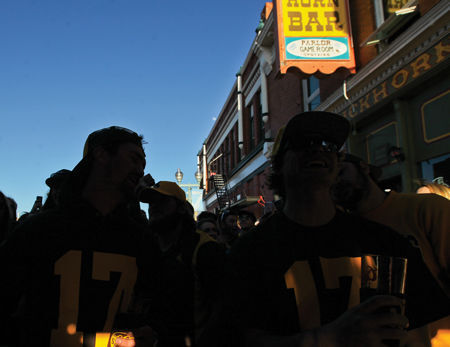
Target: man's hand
(140,337)
(367,324)
(143,185)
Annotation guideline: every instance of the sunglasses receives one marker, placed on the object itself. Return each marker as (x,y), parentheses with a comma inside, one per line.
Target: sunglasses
(302,143)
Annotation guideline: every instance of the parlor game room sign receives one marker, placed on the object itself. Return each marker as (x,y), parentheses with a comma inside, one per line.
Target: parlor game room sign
(314,35)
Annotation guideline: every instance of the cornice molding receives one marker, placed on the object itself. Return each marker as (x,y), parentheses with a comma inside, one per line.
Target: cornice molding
(386,64)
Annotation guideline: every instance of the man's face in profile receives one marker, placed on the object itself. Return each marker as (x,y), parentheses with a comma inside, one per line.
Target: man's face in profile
(231,225)
(351,187)
(245,222)
(126,167)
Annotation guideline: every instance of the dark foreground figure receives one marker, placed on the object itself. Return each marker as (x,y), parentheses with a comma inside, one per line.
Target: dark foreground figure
(71,270)
(295,278)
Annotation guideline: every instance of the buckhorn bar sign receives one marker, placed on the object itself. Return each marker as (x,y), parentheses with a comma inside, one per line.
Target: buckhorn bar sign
(314,35)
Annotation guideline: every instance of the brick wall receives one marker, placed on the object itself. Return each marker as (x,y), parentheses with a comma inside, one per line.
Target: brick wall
(363,24)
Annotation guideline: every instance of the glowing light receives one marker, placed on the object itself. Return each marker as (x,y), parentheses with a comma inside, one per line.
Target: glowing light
(71,329)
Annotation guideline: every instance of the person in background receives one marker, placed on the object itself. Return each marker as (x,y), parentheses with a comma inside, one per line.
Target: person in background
(246,220)
(206,215)
(228,228)
(73,268)
(423,218)
(191,268)
(438,186)
(8,209)
(426,218)
(55,182)
(295,280)
(209,226)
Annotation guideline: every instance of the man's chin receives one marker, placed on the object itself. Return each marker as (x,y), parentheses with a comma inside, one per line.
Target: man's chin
(310,180)
(347,197)
(129,191)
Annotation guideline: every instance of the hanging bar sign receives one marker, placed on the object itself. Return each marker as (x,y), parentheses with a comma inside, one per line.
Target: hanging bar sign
(314,35)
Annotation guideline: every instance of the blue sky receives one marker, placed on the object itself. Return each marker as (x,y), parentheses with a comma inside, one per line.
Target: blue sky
(69,67)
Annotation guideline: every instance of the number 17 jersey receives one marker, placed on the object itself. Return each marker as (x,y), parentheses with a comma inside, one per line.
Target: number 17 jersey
(73,273)
(287,278)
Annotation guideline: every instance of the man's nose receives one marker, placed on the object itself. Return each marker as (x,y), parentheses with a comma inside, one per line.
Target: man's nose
(140,169)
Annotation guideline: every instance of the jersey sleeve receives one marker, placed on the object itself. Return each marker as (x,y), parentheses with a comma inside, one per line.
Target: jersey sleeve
(435,216)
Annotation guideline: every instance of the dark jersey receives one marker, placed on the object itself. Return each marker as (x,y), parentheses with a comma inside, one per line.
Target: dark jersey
(190,275)
(73,272)
(286,278)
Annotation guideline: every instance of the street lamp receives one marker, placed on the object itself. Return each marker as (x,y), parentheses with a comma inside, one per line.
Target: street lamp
(179,177)
(198,176)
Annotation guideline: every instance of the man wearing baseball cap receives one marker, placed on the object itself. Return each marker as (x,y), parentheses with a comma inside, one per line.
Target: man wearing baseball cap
(75,266)
(295,278)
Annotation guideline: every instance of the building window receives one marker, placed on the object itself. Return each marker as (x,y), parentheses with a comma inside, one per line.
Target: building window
(385,8)
(233,144)
(391,18)
(238,149)
(251,126)
(311,93)
(261,131)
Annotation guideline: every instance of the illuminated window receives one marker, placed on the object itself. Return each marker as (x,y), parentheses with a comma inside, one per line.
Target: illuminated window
(311,93)
(391,18)
(386,8)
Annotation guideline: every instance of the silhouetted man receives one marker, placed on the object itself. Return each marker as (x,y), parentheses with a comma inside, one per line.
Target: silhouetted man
(74,268)
(424,218)
(228,228)
(295,278)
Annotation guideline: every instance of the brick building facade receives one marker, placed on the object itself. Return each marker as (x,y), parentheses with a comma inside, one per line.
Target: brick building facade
(397,101)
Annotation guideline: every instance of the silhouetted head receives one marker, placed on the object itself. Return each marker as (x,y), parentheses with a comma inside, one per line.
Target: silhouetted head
(306,150)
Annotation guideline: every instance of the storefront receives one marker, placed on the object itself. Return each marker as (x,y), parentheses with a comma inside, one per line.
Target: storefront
(399,106)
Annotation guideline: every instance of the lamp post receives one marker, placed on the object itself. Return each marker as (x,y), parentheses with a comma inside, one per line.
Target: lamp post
(179,177)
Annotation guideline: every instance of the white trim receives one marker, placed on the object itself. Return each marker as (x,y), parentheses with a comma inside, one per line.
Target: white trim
(382,60)
(255,88)
(210,200)
(253,76)
(244,172)
(379,12)
(222,138)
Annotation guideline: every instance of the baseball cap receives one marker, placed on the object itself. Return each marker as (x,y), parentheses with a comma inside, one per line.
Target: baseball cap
(57,178)
(170,189)
(104,137)
(326,126)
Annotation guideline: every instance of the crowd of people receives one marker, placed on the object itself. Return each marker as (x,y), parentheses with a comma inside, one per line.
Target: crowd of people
(88,267)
